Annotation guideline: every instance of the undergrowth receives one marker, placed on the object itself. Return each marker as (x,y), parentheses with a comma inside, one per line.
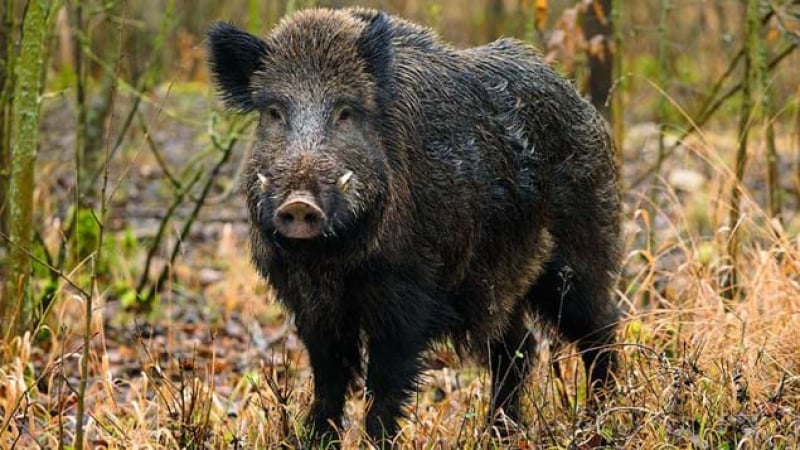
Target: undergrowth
(696,370)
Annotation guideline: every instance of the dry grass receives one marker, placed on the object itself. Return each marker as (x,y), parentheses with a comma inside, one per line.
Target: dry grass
(217,366)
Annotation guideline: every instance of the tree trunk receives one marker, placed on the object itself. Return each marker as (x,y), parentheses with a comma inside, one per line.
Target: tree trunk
(617,122)
(598,30)
(493,19)
(17,309)
(774,204)
(96,108)
(6,86)
(662,108)
(730,283)
(797,142)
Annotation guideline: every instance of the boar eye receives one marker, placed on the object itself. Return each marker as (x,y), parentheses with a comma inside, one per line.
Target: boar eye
(344,115)
(274,114)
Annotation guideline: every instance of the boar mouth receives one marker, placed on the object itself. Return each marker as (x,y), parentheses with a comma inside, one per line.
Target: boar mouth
(335,240)
(330,217)
(344,232)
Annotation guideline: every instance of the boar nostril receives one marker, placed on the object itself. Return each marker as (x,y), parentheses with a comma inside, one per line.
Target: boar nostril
(299,217)
(286,217)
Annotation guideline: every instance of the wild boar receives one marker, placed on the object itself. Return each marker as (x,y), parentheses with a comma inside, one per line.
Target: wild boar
(402,191)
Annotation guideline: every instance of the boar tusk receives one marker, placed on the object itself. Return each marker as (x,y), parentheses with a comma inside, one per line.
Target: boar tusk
(263,182)
(344,179)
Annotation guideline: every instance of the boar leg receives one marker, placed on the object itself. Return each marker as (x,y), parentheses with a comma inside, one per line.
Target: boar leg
(402,321)
(335,362)
(509,364)
(391,377)
(579,304)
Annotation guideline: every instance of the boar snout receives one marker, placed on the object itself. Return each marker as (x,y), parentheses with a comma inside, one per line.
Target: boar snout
(299,216)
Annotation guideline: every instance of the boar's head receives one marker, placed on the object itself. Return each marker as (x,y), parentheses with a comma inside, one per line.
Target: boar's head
(321,83)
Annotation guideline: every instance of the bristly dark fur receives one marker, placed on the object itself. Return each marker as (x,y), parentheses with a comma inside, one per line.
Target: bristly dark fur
(375,48)
(483,192)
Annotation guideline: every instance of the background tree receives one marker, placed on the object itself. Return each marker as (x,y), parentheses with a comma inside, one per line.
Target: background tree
(494,12)
(598,30)
(6,84)
(17,310)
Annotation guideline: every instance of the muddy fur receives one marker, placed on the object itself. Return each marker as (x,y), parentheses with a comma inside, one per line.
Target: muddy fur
(483,191)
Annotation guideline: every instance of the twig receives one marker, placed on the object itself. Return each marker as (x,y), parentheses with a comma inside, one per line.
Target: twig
(712,109)
(55,270)
(226,153)
(162,228)
(793,35)
(9,414)
(234,184)
(705,110)
(154,150)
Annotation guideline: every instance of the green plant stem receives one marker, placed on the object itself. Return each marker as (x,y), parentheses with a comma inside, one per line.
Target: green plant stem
(662,75)
(730,283)
(81,131)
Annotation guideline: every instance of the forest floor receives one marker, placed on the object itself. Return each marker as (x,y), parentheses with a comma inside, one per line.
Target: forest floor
(216,363)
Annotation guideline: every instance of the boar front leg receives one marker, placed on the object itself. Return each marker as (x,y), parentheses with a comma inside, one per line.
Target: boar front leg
(402,319)
(335,362)
(391,377)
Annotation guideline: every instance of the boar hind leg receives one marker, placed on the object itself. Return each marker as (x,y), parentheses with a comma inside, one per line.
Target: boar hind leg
(509,363)
(335,362)
(580,306)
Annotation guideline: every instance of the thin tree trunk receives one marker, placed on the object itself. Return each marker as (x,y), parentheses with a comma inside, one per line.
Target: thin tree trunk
(662,80)
(661,119)
(797,142)
(533,14)
(730,283)
(617,121)
(255,19)
(493,19)
(599,29)
(773,159)
(76,17)
(17,309)
(773,184)
(99,110)
(6,88)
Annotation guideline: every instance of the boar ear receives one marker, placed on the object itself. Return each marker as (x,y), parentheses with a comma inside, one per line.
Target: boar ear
(375,48)
(234,55)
